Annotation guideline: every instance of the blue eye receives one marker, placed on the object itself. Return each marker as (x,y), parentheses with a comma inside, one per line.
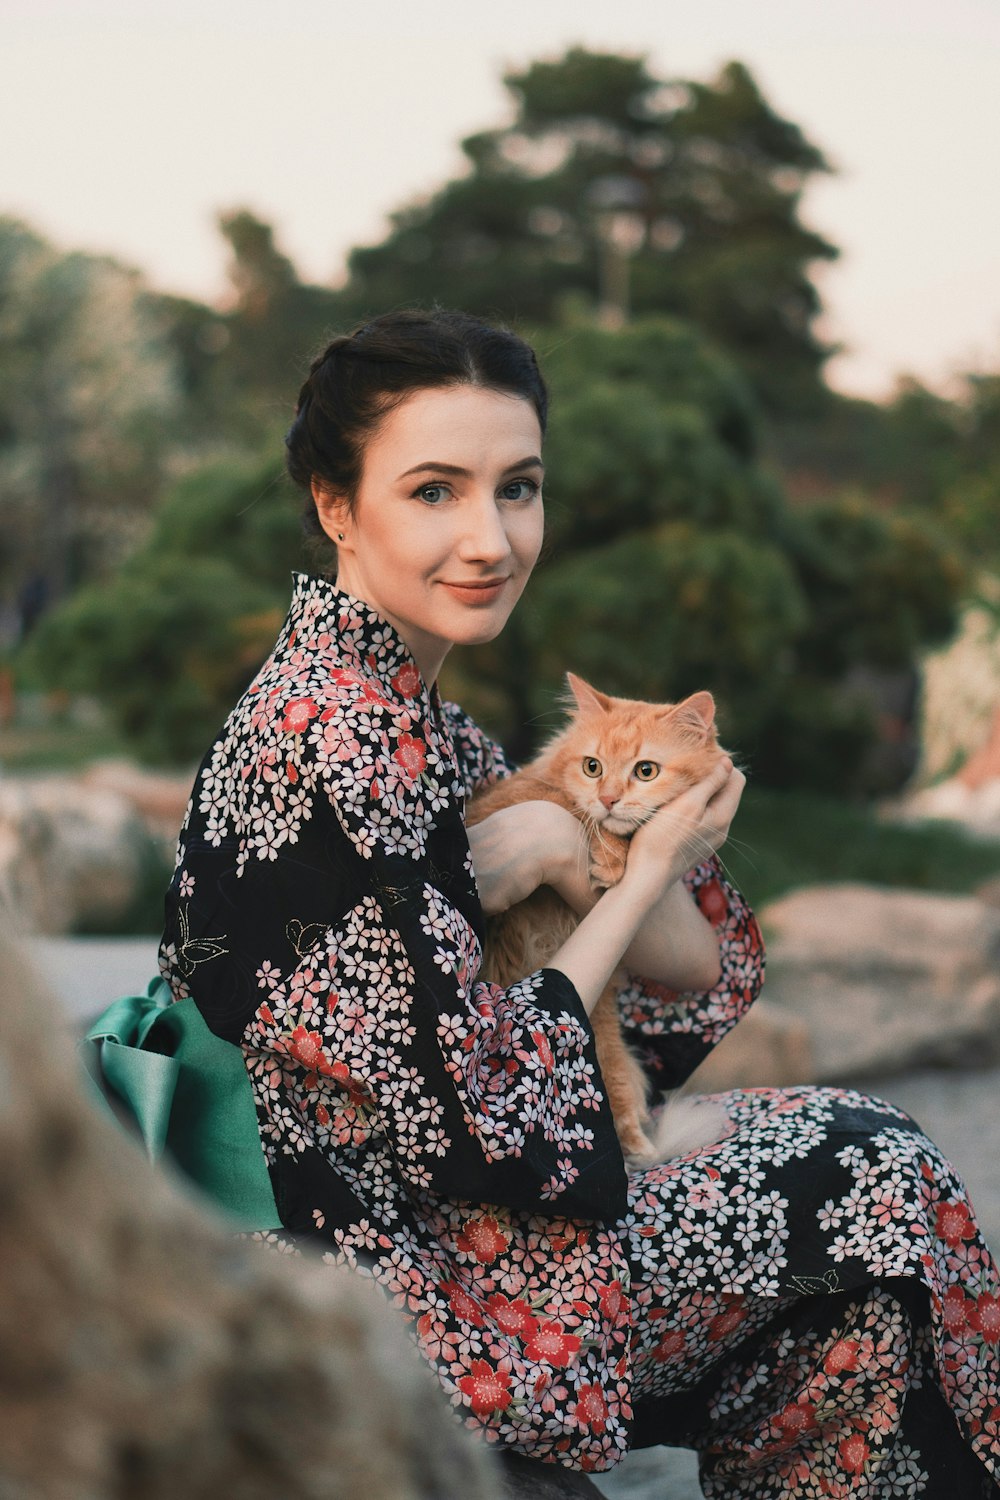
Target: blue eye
(431,494)
(528,489)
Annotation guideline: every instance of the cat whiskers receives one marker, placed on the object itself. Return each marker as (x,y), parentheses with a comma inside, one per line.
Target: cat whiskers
(592,828)
(700,846)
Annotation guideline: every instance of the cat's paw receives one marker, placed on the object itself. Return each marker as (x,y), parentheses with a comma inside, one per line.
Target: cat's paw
(608,853)
(637,1148)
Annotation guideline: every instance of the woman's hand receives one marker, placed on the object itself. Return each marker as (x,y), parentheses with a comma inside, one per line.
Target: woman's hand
(686,830)
(517,849)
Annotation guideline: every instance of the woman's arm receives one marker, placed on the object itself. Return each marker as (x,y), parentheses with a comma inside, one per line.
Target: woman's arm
(665,935)
(675,945)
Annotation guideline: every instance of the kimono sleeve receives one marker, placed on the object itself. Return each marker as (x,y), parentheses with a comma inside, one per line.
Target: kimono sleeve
(672,1032)
(482,760)
(484,1094)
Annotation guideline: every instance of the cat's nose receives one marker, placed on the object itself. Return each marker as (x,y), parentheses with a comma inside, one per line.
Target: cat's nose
(609,799)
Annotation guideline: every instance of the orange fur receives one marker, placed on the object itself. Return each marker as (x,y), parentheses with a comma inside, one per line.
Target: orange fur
(604,752)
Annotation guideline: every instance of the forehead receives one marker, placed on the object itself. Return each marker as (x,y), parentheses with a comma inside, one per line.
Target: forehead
(627,740)
(464,425)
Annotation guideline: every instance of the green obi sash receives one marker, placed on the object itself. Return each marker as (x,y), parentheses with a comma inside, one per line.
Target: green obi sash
(186,1092)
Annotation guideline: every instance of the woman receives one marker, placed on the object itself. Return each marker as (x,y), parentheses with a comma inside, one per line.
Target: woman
(808,1302)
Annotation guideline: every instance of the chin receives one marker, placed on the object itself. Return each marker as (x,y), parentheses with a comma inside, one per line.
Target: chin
(478,632)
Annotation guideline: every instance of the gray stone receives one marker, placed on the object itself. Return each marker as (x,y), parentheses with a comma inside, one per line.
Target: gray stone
(69,854)
(768,1048)
(86,973)
(886,980)
(527,1479)
(147,1352)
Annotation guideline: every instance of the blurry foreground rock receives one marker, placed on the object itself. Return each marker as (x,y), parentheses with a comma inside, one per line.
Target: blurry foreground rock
(146,1353)
(75,849)
(885,980)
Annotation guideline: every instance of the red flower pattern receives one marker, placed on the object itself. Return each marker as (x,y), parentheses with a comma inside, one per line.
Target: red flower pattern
(591,1410)
(552,1345)
(511,1317)
(410,755)
(954,1223)
(505,1078)
(853,1453)
(482,1238)
(985,1317)
(297,715)
(488,1389)
(732,1315)
(307,1048)
(407,681)
(843,1356)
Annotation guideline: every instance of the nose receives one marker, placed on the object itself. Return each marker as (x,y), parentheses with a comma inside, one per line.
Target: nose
(485,539)
(609,799)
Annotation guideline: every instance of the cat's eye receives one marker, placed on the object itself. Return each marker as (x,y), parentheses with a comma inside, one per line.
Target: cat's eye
(646,770)
(592,766)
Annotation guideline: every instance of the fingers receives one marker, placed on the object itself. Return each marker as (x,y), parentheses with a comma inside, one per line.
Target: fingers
(701,815)
(726,800)
(702,795)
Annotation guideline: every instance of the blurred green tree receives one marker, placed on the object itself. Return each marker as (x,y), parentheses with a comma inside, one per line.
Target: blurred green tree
(617,191)
(674,562)
(172,640)
(88,393)
(273,321)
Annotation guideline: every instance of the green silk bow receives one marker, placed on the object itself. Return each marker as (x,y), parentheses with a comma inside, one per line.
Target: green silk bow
(155,1063)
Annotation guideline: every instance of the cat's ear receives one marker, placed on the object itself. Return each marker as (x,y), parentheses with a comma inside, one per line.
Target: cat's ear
(696,714)
(586,697)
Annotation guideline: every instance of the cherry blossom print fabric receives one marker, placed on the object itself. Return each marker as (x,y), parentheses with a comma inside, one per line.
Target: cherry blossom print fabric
(452,1141)
(821,1199)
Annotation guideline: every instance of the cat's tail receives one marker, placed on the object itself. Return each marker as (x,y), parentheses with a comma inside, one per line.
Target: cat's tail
(687,1122)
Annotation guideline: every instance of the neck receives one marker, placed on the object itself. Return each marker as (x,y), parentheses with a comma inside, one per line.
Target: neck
(427,651)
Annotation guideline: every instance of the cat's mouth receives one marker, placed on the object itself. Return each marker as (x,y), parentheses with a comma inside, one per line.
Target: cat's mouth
(619,824)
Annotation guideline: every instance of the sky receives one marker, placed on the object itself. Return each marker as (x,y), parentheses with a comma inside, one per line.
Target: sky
(128,125)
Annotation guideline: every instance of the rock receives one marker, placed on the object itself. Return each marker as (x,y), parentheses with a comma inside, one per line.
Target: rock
(70,856)
(984,765)
(527,1479)
(148,1352)
(988,892)
(768,1048)
(961,688)
(157,797)
(886,979)
(976,808)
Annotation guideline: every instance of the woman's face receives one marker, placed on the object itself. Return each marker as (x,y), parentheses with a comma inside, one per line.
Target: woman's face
(448,519)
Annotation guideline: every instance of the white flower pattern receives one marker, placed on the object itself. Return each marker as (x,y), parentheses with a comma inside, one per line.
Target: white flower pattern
(452,1140)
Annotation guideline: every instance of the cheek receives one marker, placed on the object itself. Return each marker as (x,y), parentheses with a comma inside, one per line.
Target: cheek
(526,533)
(665,788)
(584,789)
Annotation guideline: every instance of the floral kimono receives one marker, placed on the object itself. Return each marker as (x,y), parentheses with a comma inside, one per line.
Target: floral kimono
(807,1302)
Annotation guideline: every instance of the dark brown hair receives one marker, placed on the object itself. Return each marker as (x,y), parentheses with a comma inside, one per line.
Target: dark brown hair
(362,375)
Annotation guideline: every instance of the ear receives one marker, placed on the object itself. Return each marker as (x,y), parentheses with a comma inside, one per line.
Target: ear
(695,713)
(331,508)
(586,697)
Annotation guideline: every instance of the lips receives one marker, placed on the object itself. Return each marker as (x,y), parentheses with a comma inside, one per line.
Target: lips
(477,591)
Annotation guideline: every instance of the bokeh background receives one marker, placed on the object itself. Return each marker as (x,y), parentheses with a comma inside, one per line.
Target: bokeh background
(758,251)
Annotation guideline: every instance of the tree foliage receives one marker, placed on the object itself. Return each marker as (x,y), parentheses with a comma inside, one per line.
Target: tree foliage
(674,562)
(171,643)
(87,390)
(696,186)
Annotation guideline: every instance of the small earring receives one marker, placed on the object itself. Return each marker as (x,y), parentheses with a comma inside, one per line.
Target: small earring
(340,536)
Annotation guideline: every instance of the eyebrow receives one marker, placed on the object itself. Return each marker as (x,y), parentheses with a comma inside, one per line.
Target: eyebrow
(427,468)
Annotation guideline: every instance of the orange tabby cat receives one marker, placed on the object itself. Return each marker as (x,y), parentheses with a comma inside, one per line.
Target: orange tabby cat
(616,762)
